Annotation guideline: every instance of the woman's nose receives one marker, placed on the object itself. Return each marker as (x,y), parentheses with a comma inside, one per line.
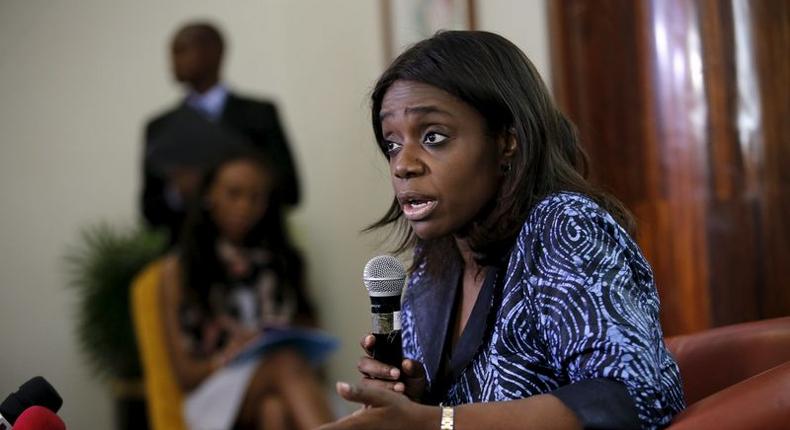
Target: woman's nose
(244,205)
(407,163)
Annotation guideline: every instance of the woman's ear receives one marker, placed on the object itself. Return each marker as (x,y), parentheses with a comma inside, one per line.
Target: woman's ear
(508,144)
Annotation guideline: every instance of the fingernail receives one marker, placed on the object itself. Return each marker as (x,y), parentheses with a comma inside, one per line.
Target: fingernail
(343,386)
(394,372)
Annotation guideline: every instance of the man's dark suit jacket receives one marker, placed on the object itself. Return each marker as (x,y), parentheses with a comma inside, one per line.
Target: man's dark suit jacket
(258,122)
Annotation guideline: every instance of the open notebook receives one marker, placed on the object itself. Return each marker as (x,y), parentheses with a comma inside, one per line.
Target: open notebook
(315,345)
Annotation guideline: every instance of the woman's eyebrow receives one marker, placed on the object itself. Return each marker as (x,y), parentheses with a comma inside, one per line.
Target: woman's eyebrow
(417,110)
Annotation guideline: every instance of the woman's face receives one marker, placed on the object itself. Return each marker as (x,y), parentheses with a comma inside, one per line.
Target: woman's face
(238,198)
(444,168)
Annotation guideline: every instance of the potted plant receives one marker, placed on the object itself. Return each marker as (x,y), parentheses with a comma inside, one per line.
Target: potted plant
(101,267)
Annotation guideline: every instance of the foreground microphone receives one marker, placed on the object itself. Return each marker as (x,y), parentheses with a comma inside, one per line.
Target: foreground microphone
(383,277)
(38,418)
(35,392)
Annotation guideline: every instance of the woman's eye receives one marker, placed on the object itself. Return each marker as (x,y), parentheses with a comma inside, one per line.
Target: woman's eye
(434,138)
(391,146)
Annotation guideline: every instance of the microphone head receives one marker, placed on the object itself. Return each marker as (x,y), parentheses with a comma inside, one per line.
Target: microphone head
(39,418)
(384,276)
(35,392)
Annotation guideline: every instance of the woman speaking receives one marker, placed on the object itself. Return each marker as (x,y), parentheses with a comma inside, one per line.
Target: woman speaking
(529,305)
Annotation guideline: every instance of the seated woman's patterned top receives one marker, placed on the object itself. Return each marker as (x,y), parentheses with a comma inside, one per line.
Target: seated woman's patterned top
(576,303)
(252,295)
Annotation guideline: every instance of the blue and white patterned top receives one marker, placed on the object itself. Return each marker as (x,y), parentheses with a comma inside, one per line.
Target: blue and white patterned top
(577,302)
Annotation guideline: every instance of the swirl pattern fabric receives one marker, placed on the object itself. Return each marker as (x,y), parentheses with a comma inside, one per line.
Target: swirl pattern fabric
(577,301)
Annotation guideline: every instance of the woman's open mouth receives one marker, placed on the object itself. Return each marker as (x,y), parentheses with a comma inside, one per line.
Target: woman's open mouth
(416,207)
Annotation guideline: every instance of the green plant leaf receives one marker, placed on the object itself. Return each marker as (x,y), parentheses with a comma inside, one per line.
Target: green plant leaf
(100,268)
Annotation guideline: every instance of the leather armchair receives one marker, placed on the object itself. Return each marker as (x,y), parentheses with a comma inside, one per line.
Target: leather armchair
(735,377)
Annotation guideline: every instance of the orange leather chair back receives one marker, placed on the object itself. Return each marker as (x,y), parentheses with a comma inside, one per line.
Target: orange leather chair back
(715,359)
(761,402)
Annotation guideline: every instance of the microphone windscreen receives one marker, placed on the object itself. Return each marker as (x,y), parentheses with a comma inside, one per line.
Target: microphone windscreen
(383,276)
(39,418)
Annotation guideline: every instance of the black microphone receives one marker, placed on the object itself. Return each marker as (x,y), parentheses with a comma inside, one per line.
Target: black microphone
(35,392)
(384,277)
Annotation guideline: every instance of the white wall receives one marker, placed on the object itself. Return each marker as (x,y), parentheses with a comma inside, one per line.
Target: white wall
(523,22)
(77,81)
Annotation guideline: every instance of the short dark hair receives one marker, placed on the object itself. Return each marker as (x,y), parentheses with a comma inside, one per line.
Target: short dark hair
(496,78)
(207,33)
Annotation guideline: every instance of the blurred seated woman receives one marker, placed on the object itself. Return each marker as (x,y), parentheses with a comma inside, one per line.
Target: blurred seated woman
(234,273)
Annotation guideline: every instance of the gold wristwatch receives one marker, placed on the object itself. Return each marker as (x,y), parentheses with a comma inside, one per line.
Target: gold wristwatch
(448,418)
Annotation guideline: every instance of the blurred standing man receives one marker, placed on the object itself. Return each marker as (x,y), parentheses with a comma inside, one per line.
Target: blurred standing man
(197,50)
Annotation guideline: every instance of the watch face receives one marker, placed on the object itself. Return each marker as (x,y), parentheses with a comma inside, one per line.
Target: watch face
(448,421)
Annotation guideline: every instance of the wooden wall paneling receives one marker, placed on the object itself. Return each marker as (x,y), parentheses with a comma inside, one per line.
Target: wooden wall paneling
(733,211)
(677,97)
(683,107)
(769,22)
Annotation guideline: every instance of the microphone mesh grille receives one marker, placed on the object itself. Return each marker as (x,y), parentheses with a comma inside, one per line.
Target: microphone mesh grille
(384,276)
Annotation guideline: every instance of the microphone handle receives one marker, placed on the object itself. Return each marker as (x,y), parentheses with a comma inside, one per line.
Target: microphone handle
(388,348)
(385,325)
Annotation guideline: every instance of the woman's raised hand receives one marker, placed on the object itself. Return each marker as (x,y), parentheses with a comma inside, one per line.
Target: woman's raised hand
(384,410)
(409,379)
